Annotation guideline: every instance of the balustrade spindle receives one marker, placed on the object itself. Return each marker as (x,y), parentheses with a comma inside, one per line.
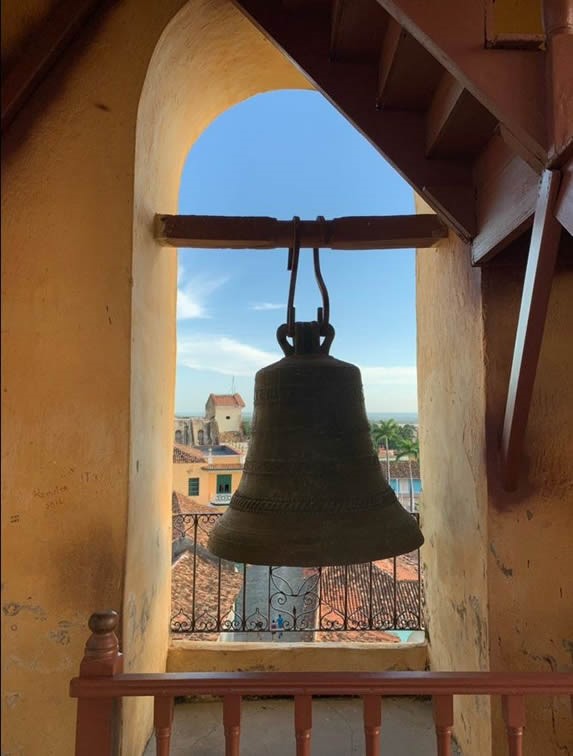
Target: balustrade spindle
(232,724)
(162,721)
(372,724)
(513,708)
(97,722)
(303,724)
(444,720)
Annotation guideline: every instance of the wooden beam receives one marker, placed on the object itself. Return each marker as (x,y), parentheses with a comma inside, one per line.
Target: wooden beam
(509,83)
(42,51)
(506,194)
(357,28)
(304,37)
(352,233)
(446,99)
(457,124)
(532,314)
(558,24)
(408,74)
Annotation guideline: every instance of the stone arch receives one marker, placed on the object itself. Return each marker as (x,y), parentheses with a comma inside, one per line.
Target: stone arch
(208,59)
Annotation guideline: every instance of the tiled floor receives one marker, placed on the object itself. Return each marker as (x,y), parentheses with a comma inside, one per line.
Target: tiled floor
(268,729)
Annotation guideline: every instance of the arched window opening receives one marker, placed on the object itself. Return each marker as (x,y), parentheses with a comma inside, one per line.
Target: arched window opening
(269,156)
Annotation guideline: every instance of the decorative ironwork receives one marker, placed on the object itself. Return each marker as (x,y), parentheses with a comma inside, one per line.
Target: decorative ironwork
(224,597)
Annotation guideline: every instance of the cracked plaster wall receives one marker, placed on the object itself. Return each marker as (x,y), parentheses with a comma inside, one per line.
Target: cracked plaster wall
(89,342)
(453,510)
(498,566)
(530,533)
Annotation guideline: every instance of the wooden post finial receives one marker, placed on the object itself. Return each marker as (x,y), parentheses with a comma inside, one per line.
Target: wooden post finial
(101,654)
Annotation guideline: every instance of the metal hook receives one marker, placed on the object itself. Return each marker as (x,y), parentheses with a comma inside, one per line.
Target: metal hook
(292,265)
(323,313)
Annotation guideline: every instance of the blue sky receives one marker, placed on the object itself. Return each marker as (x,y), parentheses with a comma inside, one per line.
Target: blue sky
(282,154)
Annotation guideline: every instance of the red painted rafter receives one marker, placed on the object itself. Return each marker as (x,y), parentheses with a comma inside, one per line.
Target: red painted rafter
(304,36)
(509,83)
(533,311)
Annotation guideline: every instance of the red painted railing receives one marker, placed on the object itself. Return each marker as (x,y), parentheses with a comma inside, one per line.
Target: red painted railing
(101,684)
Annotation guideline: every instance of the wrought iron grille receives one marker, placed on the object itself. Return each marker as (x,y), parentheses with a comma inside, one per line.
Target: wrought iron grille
(211,596)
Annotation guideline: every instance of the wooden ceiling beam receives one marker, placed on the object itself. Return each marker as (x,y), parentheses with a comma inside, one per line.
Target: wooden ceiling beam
(506,194)
(351,233)
(456,123)
(446,100)
(558,24)
(304,36)
(532,314)
(42,51)
(509,83)
(357,28)
(408,74)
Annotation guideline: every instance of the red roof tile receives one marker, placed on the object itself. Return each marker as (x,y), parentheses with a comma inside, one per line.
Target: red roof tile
(182,504)
(227,400)
(196,576)
(186,454)
(366,597)
(401,468)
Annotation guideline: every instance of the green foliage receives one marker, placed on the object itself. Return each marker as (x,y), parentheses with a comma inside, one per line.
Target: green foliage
(408,449)
(246,428)
(389,432)
(385,432)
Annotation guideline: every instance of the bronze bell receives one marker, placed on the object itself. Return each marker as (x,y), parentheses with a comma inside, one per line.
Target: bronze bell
(312,491)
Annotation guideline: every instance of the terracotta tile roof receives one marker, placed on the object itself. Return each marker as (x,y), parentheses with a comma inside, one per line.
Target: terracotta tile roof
(203,568)
(227,400)
(401,468)
(355,597)
(406,566)
(186,454)
(182,504)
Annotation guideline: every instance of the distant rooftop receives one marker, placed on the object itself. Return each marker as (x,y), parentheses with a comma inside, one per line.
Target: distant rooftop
(226,400)
(187,454)
(222,450)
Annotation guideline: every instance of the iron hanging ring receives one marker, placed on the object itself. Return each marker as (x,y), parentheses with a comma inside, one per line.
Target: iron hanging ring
(323,313)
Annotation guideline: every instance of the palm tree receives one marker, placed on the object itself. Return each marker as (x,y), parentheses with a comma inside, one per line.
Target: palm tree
(385,433)
(408,449)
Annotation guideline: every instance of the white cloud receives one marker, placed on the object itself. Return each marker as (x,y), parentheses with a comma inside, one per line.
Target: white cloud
(192,295)
(221,354)
(263,306)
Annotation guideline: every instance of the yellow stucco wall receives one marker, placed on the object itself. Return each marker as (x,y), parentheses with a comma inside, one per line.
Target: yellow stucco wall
(530,533)
(193,656)
(498,566)
(207,480)
(89,343)
(453,511)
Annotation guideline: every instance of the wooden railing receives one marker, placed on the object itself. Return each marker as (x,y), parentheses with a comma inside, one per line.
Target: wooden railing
(102,684)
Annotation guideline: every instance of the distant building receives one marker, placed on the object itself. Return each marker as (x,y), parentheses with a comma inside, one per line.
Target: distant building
(226,410)
(222,423)
(209,477)
(404,478)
